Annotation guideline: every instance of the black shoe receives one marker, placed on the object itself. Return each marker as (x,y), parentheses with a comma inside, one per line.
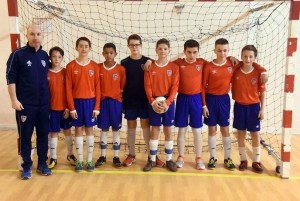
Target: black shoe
(149,165)
(100,161)
(212,163)
(171,166)
(117,162)
(52,163)
(72,159)
(229,164)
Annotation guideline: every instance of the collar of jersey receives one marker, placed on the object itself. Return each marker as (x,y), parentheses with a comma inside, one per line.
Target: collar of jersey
(110,67)
(162,65)
(32,49)
(219,64)
(83,64)
(189,62)
(56,71)
(248,71)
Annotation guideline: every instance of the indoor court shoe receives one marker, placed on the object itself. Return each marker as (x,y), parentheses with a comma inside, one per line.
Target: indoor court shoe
(159,163)
(90,166)
(26,174)
(79,165)
(171,166)
(150,164)
(100,161)
(212,163)
(199,164)
(72,159)
(243,166)
(43,170)
(229,164)
(52,163)
(117,162)
(257,167)
(129,160)
(180,161)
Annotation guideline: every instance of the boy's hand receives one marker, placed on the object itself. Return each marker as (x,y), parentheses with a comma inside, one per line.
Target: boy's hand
(95,113)
(147,65)
(157,107)
(205,112)
(264,78)
(234,61)
(66,114)
(74,115)
(261,114)
(17,105)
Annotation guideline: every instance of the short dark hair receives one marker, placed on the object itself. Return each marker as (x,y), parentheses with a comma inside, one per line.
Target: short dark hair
(250,48)
(55,48)
(84,39)
(134,37)
(221,41)
(191,43)
(110,45)
(163,41)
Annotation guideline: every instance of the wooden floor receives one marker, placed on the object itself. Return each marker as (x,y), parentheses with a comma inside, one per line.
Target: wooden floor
(130,183)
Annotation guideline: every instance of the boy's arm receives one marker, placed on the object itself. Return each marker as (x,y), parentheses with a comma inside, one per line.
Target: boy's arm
(263,72)
(97,91)
(148,63)
(123,79)
(148,87)
(262,97)
(174,85)
(205,77)
(69,89)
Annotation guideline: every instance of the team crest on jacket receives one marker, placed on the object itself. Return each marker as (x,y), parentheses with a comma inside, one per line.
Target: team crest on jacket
(115,76)
(198,67)
(142,66)
(43,63)
(169,72)
(23,118)
(91,72)
(229,69)
(28,63)
(253,80)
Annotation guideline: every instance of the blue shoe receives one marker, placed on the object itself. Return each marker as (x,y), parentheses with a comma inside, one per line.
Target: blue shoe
(26,174)
(79,165)
(90,166)
(43,170)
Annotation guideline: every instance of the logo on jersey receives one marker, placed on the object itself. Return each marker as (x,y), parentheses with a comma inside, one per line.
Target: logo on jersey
(29,63)
(101,74)
(169,72)
(75,71)
(153,73)
(229,69)
(48,78)
(23,118)
(253,80)
(115,76)
(237,78)
(198,67)
(182,66)
(214,71)
(43,63)
(91,73)
(63,78)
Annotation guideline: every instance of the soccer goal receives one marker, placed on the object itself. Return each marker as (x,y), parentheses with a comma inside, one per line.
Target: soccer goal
(266,24)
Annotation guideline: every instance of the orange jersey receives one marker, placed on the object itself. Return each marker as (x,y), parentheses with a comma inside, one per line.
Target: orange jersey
(190,76)
(57,86)
(82,82)
(246,86)
(162,81)
(112,81)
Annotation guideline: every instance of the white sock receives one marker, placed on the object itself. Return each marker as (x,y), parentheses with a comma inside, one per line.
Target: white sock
(131,133)
(69,144)
(197,141)
(103,143)
(212,144)
(116,142)
(90,146)
(181,140)
(169,149)
(256,154)
(53,147)
(79,147)
(146,134)
(227,146)
(242,152)
(153,149)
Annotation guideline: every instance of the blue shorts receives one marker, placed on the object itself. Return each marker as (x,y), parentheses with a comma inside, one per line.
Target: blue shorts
(110,114)
(133,114)
(246,117)
(57,121)
(188,107)
(84,109)
(167,118)
(219,110)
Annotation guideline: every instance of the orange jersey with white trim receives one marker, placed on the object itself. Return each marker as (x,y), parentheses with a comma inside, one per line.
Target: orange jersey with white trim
(112,81)
(246,86)
(162,81)
(57,86)
(190,76)
(82,82)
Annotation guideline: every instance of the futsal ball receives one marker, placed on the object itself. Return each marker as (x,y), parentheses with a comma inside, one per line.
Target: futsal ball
(160,99)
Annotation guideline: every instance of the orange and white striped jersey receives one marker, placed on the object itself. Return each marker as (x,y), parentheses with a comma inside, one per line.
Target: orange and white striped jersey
(112,81)
(162,81)
(82,82)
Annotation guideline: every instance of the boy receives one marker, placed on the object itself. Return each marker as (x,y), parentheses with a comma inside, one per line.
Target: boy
(249,95)
(112,78)
(216,103)
(59,114)
(83,98)
(135,102)
(161,81)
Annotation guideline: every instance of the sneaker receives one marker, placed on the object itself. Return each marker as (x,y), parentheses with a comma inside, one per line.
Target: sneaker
(212,163)
(78,165)
(171,166)
(150,164)
(257,167)
(43,170)
(117,162)
(52,163)
(199,164)
(100,161)
(129,160)
(72,159)
(180,161)
(229,164)
(159,163)
(90,165)
(26,174)
(243,166)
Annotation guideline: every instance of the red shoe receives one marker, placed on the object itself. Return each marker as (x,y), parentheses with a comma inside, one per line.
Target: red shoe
(243,166)
(129,160)
(257,167)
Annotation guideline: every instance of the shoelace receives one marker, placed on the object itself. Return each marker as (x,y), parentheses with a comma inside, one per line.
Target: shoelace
(89,163)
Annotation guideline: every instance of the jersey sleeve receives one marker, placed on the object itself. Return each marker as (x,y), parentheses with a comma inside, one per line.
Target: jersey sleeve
(69,88)
(259,68)
(12,68)
(174,84)
(205,77)
(261,86)
(97,88)
(148,87)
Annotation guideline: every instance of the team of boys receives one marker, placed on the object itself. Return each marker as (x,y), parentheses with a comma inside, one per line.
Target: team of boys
(146,89)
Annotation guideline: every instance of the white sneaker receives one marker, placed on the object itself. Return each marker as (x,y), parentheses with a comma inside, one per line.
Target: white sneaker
(199,164)
(180,161)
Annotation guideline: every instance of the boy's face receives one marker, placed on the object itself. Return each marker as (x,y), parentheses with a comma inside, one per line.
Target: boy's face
(162,51)
(191,53)
(109,54)
(83,48)
(221,51)
(135,47)
(248,57)
(56,58)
